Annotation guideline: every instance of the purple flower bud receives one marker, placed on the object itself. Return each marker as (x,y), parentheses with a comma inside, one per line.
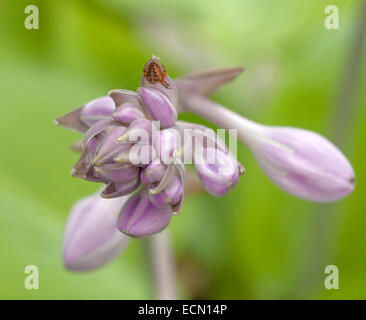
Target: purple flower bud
(154,172)
(218,170)
(303,163)
(96,110)
(140,218)
(158,106)
(91,238)
(115,189)
(156,77)
(170,195)
(128,112)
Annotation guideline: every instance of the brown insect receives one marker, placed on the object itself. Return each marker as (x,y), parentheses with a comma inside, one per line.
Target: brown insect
(154,72)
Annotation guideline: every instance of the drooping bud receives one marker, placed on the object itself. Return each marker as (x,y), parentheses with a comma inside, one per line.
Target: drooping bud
(159,107)
(170,195)
(96,110)
(140,218)
(302,163)
(127,112)
(91,238)
(218,170)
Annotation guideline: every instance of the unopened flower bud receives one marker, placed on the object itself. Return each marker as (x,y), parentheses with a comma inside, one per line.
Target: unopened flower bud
(91,238)
(158,106)
(139,217)
(96,110)
(303,163)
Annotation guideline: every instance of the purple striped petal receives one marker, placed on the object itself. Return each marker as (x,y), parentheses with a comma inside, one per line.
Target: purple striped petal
(155,77)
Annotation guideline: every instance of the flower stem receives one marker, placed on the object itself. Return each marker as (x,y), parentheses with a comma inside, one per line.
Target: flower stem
(220,116)
(163,266)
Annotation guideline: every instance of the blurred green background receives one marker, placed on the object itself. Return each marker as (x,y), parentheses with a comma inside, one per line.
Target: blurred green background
(255,243)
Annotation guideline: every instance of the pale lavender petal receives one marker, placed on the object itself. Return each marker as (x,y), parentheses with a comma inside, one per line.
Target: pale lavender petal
(128,112)
(91,238)
(96,110)
(140,218)
(205,82)
(72,121)
(158,106)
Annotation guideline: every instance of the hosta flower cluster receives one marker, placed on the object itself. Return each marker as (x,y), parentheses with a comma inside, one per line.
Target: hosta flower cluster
(134,144)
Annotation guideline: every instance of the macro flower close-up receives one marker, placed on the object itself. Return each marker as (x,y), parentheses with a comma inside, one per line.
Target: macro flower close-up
(205,154)
(135,145)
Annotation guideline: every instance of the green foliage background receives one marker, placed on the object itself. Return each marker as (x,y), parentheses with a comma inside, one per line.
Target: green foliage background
(255,243)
